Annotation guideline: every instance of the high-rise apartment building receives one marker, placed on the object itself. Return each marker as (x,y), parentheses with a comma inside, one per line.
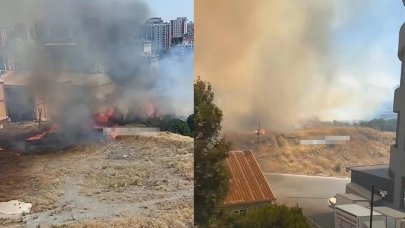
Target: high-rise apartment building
(178,27)
(158,32)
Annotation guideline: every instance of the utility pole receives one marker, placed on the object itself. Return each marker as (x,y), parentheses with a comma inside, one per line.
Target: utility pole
(39,111)
(258,136)
(371,206)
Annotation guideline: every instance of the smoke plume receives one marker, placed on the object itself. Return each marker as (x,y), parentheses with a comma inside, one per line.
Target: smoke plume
(273,61)
(104,32)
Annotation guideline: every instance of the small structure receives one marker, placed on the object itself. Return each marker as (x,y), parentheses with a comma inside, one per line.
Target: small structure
(394,218)
(19,104)
(356,216)
(248,188)
(347,198)
(363,177)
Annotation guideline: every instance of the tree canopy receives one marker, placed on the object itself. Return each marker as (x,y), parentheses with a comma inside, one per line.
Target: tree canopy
(270,216)
(210,151)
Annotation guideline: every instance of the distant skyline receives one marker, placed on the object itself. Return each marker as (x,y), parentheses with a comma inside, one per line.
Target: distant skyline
(169,10)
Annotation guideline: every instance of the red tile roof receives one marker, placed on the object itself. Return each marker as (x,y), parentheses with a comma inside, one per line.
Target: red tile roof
(248,184)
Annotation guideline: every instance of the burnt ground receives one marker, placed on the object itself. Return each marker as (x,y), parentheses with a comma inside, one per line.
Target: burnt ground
(141,181)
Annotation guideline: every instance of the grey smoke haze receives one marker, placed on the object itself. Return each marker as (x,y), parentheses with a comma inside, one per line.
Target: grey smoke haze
(274,62)
(105,32)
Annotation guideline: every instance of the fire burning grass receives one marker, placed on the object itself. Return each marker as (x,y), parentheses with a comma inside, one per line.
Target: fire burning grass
(54,136)
(122,182)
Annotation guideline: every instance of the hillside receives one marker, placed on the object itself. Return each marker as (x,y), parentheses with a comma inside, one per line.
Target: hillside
(281,153)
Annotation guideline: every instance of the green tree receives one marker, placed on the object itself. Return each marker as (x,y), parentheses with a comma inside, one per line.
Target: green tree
(380,124)
(211,174)
(279,216)
(190,122)
(179,127)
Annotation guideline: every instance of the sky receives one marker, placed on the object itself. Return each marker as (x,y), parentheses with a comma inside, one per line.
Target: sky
(289,60)
(365,42)
(172,9)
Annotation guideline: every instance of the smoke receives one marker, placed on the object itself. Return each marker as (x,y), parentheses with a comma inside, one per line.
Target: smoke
(274,62)
(178,84)
(103,32)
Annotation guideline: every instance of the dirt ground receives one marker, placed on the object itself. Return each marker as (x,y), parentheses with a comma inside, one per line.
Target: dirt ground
(141,181)
(282,153)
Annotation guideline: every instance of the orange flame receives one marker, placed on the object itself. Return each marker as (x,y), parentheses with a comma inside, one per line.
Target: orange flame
(54,128)
(104,117)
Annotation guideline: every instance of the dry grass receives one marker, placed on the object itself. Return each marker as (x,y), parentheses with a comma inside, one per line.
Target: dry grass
(180,218)
(282,153)
(151,177)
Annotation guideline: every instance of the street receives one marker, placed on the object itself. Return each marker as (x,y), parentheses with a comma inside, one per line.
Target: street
(311,193)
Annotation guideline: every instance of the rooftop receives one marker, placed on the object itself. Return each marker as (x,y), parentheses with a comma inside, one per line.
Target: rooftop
(351,196)
(381,170)
(356,210)
(248,184)
(390,212)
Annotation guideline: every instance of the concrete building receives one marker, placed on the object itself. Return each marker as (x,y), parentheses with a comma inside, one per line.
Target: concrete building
(19,104)
(356,216)
(178,27)
(248,187)
(390,177)
(158,32)
(147,48)
(190,28)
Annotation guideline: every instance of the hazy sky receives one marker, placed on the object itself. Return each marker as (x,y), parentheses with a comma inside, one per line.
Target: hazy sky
(366,44)
(293,59)
(172,9)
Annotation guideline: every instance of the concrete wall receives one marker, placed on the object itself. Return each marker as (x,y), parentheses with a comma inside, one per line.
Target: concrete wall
(3,110)
(366,181)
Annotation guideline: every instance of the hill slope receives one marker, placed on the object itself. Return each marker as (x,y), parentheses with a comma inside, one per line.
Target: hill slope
(282,153)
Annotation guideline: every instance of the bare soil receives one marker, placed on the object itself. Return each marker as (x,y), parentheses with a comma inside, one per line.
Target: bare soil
(140,181)
(282,153)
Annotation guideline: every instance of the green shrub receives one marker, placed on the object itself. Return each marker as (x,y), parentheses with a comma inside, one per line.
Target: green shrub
(337,168)
(190,122)
(179,127)
(270,216)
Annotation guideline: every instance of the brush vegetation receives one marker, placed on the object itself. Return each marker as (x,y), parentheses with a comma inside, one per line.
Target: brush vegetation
(270,216)
(282,152)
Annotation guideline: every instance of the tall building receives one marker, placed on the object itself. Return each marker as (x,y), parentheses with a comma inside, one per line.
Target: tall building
(158,32)
(178,27)
(388,178)
(190,28)
(397,153)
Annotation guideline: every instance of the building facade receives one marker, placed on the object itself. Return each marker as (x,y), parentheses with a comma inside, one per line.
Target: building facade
(397,153)
(178,27)
(158,32)
(389,178)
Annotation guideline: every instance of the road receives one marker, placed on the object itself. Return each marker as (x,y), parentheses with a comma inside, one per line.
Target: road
(311,193)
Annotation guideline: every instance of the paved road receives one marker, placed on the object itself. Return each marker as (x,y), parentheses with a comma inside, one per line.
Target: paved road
(311,193)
